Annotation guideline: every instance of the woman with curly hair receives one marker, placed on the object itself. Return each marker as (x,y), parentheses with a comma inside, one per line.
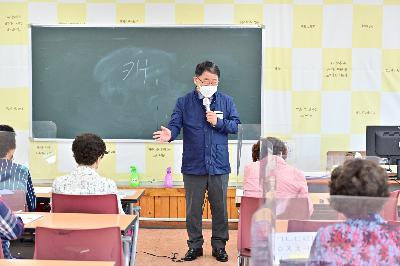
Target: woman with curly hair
(358,189)
(89,150)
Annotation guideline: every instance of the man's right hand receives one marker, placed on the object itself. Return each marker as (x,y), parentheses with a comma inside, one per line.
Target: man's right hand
(163,135)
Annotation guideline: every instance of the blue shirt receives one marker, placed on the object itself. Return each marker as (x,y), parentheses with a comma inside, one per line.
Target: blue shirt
(205,148)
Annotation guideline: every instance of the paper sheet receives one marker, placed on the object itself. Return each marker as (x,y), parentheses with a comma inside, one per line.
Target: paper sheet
(28,217)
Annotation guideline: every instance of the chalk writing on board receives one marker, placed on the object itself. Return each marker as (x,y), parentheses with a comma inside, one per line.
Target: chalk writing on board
(131,65)
(306,111)
(337,69)
(13,23)
(130,68)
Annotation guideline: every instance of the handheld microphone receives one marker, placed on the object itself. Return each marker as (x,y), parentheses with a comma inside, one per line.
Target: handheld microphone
(206,103)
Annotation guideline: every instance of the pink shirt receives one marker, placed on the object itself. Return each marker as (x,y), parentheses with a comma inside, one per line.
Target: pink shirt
(290,182)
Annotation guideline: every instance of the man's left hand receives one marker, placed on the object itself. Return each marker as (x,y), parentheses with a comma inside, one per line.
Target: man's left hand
(211,118)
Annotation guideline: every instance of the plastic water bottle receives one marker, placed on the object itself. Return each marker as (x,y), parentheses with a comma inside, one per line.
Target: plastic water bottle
(168,178)
(134,178)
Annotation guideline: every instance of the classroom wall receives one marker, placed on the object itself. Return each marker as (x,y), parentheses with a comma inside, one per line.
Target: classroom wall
(330,68)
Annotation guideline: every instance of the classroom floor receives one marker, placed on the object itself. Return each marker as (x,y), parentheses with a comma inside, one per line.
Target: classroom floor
(160,242)
(165,242)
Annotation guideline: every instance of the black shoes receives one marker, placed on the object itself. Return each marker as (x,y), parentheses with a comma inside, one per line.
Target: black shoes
(220,254)
(193,253)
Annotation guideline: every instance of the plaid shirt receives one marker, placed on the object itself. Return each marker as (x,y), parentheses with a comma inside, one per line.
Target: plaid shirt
(11,227)
(15,176)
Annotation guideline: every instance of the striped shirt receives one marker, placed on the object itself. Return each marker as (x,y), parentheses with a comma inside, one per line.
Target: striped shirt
(11,227)
(15,176)
(84,180)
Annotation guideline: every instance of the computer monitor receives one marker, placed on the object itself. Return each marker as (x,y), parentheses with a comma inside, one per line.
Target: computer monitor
(384,142)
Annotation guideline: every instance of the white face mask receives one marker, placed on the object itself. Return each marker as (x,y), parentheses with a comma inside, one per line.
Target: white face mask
(208,91)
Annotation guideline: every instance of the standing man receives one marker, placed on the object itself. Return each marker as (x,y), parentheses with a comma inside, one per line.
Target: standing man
(207,117)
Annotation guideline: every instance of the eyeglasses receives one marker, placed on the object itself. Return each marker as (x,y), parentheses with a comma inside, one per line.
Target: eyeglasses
(207,82)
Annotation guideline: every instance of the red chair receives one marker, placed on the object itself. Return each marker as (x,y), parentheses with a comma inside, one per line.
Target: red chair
(248,206)
(102,244)
(100,204)
(389,210)
(307,225)
(16,200)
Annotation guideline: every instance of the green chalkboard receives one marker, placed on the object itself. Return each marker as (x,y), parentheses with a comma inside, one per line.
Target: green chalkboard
(123,82)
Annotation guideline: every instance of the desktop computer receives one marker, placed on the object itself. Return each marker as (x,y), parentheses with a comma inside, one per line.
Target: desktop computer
(384,142)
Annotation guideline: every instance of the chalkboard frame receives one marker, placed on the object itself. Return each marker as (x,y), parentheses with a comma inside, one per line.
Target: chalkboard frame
(217,26)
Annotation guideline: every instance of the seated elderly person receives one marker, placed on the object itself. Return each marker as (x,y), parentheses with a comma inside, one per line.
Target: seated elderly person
(88,150)
(358,189)
(290,181)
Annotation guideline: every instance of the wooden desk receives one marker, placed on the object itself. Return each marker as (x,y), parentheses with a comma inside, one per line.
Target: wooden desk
(134,198)
(54,263)
(81,221)
(281,226)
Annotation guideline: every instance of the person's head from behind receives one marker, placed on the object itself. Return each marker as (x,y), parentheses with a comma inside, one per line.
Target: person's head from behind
(358,188)
(7,142)
(88,150)
(206,74)
(260,149)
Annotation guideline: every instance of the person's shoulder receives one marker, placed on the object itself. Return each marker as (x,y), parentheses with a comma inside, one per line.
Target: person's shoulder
(186,96)
(326,231)
(60,179)
(108,181)
(224,96)
(20,171)
(20,167)
(252,165)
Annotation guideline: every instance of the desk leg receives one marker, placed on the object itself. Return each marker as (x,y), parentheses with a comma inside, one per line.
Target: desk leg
(126,246)
(135,210)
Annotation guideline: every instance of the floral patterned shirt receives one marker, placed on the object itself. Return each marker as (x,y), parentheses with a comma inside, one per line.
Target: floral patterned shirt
(85,180)
(368,241)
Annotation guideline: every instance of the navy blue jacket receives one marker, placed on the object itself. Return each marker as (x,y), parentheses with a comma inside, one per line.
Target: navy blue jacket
(205,148)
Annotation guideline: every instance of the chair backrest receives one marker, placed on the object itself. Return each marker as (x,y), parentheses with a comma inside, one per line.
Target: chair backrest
(248,206)
(389,210)
(307,225)
(100,204)
(102,244)
(292,208)
(15,200)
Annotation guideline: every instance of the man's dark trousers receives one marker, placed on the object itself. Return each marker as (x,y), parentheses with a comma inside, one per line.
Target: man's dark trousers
(195,187)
